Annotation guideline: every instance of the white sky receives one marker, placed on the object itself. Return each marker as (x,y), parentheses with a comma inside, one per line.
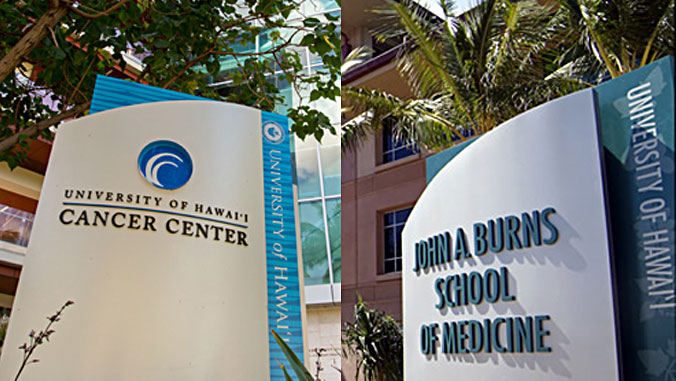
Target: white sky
(460,6)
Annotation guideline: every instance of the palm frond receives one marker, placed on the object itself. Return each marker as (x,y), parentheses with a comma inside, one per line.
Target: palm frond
(622,34)
(354,58)
(421,121)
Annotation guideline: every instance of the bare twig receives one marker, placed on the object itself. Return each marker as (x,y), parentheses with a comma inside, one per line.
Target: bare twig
(100,14)
(77,87)
(318,362)
(143,73)
(241,67)
(39,338)
(190,64)
(296,86)
(56,43)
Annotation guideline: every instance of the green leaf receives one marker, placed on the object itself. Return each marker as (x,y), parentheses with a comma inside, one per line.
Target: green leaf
(161,44)
(308,40)
(297,366)
(331,17)
(311,22)
(286,374)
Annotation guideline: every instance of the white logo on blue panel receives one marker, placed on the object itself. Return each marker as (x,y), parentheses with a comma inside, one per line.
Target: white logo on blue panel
(273,132)
(165,164)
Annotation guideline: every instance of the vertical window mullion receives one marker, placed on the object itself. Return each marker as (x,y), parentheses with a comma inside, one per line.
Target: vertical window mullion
(391,254)
(326,220)
(307,57)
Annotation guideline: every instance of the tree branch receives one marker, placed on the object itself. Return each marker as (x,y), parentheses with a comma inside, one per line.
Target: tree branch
(243,70)
(188,66)
(100,14)
(56,11)
(77,87)
(143,73)
(33,130)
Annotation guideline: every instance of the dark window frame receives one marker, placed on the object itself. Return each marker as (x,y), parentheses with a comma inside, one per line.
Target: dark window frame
(391,225)
(391,149)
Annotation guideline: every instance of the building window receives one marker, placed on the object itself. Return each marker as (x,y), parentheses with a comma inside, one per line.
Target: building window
(394,149)
(15,225)
(333,216)
(318,178)
(393,224)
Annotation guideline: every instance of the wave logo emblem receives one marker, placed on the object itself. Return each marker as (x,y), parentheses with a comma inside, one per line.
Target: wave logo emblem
(165,164)
(273,132)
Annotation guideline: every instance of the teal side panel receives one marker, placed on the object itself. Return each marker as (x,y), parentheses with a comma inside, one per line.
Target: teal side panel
(636,116)
(434,163)
(110,93)
(284,301)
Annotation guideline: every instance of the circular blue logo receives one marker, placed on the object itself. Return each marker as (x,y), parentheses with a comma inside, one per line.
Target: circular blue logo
(273,132)
(165,164)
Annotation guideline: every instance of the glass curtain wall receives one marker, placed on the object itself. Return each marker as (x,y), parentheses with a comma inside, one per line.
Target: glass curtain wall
(317,169)
(318,176)
(318,173)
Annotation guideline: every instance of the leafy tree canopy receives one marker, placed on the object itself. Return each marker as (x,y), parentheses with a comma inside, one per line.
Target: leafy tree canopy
(52,51)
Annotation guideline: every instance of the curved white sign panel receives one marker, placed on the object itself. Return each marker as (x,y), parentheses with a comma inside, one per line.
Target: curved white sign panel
(506,260)
(152,220)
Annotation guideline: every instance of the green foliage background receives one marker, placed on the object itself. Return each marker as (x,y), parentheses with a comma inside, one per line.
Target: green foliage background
(182,45)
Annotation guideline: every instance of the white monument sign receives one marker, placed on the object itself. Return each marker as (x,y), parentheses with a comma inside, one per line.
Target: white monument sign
(506,267)
(152,220)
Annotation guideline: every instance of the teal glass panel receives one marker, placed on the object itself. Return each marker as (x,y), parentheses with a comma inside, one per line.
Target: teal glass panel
(329,152)
(268,43)
(307,168)
(285,91)
(229,63)
(313,241)
(333,218)
(265,41)
(328,4)
(320,6)
(315,59)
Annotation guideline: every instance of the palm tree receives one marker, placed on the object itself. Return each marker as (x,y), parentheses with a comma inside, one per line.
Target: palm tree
(376,341)
(608,38)
(467,74)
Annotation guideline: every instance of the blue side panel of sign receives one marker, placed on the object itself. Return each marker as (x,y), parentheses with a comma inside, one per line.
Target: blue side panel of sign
(284,304)
(636,115)
(434,163)
(110,93)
